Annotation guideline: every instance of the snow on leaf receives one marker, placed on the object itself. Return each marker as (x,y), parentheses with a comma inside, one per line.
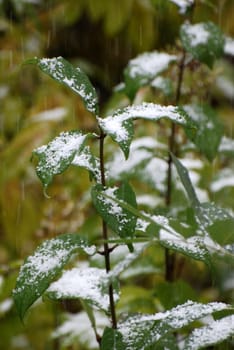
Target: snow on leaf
(118,128)
(83,282)
(68,331)
(41,268)
(209,129)
(120,220)
(210,213)
(193,247)
(144,68)
(212,334)
(87,160)
(140,332)
(126,261)
(57,155)
(203,40)
(62,71)
(141,163)
(183,4)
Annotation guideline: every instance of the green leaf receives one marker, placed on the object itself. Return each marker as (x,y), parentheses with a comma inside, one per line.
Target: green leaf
(204,41)
(141,70)
(57,155)
(212,334)
(222,231)
(175,293)
(119,126)
(84,283)
(119,219)
(64,72)
(41,268)
(185,179)
(197,246)
(209,214)
(112,340)
(209,129)
(150,329)
(218,222)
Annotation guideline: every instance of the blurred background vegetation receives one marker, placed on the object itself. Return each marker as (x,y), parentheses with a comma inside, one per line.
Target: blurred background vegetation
(100,36)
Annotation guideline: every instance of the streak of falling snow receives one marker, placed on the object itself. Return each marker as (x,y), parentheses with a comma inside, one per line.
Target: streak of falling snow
(48,39)
(140,36)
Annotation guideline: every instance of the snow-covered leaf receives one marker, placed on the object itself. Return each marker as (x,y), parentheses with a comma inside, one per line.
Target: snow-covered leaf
(126,261)
(218,222)
(183,5)
(64,72)
(209,129)
(112,339)
(143,69)
(41,268)
(68,332)
(119,126)
(204,41)
(87,160)
(83,282)
(142,331)
(212,334)
(141,165)
(57,155)
(119,219)
(194,246)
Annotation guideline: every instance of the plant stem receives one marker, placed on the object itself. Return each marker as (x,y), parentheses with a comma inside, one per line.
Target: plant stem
(170,257)
(107,250)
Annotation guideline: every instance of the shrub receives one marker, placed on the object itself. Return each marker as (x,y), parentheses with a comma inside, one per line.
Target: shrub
(149,195)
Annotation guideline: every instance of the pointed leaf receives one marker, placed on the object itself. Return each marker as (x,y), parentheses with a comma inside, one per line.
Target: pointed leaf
(214,333)
(209,129)
(119,219)
(41,268)
(57,155)
(218,222)
(204,41)
(64,72)
(185,179)
(112,340)
(118,127)
(84,283)
(143,69)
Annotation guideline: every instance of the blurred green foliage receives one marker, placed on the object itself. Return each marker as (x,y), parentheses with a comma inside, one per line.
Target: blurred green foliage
(101,36)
